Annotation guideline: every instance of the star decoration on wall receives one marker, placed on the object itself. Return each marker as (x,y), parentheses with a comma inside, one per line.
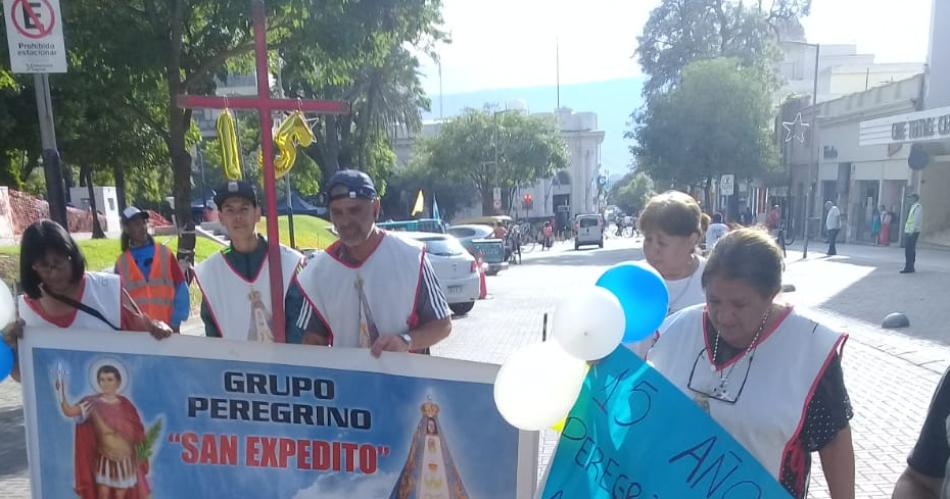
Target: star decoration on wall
(795,129)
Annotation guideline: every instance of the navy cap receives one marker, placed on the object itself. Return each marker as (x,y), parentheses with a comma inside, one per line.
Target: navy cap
(350,184)
(235,188)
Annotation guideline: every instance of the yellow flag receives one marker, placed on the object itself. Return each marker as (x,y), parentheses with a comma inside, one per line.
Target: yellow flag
(420,205)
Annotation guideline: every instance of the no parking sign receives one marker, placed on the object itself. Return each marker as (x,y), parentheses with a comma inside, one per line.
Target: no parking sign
(35,36)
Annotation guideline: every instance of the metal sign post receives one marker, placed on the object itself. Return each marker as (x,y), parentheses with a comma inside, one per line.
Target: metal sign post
(35,41)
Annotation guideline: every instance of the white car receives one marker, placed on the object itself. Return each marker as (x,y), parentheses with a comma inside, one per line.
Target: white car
(455,268)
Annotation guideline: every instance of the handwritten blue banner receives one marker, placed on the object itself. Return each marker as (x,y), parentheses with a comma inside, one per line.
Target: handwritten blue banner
(632,434)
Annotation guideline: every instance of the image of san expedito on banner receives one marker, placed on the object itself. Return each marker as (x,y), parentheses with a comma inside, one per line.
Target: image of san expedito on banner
(121,415)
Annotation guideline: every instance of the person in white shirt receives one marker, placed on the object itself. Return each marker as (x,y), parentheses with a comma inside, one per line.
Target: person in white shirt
(671,228)
(915,220)
(833,226)
(716,230)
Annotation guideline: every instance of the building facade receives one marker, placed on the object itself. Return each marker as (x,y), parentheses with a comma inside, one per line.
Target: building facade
(925,131)
(579,188)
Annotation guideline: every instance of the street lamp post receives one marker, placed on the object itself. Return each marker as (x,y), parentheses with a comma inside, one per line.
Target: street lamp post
(814,140)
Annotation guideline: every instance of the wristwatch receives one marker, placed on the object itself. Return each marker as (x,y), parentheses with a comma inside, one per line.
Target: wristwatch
(408,339)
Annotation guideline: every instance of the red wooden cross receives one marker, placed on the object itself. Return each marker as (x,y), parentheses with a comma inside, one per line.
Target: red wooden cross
(265,105)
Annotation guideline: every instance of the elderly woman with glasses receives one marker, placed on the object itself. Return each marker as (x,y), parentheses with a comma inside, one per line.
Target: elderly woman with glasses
(58,292)
(771,377)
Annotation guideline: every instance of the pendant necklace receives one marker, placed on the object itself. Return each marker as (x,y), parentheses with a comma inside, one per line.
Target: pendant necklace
(722,390)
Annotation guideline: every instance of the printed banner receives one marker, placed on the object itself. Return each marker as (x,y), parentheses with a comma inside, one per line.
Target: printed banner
(632,434)
(200,417)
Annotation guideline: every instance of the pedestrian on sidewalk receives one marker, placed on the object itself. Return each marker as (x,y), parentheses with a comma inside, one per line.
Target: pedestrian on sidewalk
(770,377)
(915,220)
(371,289)
(150,273)
(716,230)
(235,282)
(548,236)
(886,219)
(926,475)
(774,219)
(833,226)
(876,226)
(59,293)
(671,227)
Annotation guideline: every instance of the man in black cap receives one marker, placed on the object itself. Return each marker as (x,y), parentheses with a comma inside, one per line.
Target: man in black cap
(235,283)
(370,289)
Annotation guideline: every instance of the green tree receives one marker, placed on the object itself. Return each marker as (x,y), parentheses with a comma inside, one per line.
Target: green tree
(187,46)
(631,192)
(383,93)
(717,121)
(504,149)
(679,32)
(452,195)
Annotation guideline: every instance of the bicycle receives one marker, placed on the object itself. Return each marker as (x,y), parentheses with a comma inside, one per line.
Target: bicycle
(529,238)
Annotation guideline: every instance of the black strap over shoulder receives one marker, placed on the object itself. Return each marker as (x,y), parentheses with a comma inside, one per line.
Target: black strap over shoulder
(80,306)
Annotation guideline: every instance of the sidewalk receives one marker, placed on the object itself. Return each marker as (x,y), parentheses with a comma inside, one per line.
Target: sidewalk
(890,374)
(859,287)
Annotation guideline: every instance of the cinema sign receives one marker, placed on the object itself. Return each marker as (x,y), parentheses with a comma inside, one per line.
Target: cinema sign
(921,126)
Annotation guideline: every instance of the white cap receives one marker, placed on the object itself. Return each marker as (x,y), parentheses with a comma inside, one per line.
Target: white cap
(131,212)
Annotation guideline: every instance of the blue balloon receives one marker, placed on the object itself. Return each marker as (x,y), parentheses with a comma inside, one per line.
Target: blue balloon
(642,294)
(6,360)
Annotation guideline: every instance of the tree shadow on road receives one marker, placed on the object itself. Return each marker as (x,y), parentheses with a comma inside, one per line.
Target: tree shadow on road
(13,450)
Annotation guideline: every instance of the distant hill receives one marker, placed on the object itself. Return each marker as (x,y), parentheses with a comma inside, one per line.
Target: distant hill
(612,100)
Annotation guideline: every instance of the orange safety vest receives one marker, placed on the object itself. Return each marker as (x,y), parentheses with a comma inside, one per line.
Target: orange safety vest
(155,296)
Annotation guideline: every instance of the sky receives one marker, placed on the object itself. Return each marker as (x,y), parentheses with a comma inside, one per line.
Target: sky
(512,43)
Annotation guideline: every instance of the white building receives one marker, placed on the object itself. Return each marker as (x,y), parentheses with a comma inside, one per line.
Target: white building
(841,71)
(574,190)
(579,188)
(107,202)
(925,130)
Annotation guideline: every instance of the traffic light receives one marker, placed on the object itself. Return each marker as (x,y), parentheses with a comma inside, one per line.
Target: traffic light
(527,200)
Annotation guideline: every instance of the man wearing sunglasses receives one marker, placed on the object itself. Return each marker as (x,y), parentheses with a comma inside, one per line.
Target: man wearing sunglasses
(370,289)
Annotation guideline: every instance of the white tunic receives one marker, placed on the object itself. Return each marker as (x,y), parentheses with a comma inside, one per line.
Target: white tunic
(770,405)
(390,278)
(241,308)
(100,291)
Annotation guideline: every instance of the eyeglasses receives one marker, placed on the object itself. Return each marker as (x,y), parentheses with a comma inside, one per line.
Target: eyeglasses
(47,267)
(708,382)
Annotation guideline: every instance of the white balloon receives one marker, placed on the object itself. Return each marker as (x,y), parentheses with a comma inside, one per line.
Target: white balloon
(7,309)
(537,386)
(589,324)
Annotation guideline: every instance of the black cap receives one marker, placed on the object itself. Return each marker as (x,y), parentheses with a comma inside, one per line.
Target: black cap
(235,188)
(350,184)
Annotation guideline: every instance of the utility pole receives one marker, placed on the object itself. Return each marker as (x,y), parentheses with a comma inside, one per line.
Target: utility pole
(814,145)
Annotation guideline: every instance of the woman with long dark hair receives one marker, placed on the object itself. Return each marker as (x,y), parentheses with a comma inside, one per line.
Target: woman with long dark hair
(59,292)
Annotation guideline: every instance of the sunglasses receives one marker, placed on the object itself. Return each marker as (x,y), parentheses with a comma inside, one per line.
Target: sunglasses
(706,380)
(48,267)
